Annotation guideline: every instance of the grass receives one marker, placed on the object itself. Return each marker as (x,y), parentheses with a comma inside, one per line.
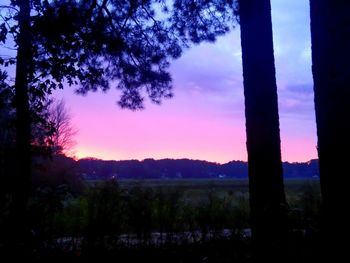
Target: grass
(139,208)
(196,191)
(195,188)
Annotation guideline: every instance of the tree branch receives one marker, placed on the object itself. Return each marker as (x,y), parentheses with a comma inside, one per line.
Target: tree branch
(9,7)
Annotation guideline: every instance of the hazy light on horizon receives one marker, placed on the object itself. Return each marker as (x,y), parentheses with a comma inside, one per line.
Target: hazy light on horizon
(205,120)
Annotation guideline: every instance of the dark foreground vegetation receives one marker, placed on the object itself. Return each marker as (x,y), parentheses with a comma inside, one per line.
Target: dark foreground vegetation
(92,45)
(184,220)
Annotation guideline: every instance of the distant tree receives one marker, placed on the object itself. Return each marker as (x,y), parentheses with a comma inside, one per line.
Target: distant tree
(62,138)
(330,38)
(266,188)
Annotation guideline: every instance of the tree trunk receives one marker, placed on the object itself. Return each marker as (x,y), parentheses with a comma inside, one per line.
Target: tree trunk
(21,183)
(266,187)
(330,36)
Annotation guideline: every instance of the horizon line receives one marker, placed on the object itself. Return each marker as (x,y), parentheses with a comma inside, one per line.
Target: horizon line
(168,158)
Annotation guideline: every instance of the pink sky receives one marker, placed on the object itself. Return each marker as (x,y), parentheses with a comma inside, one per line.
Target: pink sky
(205,119)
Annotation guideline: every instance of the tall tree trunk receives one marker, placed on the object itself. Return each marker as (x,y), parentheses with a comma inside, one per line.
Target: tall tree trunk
(266,187)
(21,184)
(330,36)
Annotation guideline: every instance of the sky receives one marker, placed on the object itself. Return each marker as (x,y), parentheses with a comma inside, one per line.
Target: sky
(205,119)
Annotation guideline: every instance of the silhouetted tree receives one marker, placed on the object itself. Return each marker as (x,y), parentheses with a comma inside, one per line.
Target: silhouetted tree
(7,142)
(90,43)
(40,127)
(204,20)
(7,113)
(266,188)
(23,156)
(63,135)
(93,43)
(330,36)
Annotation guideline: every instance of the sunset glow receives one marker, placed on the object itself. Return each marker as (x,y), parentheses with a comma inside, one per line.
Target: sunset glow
(205,120)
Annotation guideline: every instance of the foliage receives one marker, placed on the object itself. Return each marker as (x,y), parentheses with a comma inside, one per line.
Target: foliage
(108,217)
(94,43)
(128,44)
(90,45)
(6,113)
(104,215)
(141,210)
(44,204)
(198,21)
(41,127)
(54,171)
(305,206)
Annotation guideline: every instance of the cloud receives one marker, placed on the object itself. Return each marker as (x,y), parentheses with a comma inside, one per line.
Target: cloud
(297,101)
(205,119)
(292,41)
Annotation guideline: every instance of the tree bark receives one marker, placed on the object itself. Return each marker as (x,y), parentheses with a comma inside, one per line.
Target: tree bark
(330,39)
(266,187)
(21,182)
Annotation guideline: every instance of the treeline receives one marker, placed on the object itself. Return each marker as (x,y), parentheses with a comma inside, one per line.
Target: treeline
(92,169)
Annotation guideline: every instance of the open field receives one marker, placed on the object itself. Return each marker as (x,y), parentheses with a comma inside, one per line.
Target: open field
(294,184)
(196,191)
